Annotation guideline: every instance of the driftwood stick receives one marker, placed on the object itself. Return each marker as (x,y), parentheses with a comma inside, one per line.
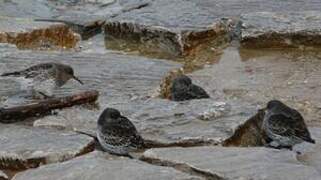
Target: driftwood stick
(19,113)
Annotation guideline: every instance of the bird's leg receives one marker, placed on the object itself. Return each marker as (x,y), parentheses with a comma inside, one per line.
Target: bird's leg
(274,144)
(123,155)
(44,95)
(286,147)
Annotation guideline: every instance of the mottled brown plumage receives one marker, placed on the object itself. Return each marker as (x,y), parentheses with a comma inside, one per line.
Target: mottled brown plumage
(44,77)
(117,134)
(183,89)
(284,126)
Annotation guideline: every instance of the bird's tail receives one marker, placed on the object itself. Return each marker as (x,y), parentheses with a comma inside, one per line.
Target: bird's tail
(11,74)
(87,133)
(310,140)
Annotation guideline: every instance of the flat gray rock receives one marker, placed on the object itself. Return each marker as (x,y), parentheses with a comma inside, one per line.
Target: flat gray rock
(28,34)
(236,163)
(279,29)
(96,166)
(174,28)
(187,123)
(26,147)
(3,176)
(26,9)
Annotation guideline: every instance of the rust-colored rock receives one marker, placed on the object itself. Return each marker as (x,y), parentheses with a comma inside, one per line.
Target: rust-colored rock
(19,113)
(28,34)
(167,83)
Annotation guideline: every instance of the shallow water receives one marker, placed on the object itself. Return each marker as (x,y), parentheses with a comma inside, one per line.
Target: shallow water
(239,77)
(257,76)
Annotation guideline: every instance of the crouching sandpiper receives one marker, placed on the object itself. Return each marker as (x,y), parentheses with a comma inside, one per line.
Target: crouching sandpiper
(284,126)
(117,134)
(43,78)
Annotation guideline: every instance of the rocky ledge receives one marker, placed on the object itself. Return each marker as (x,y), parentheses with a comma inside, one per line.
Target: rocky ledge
(27,147)
(276,29)
(98,165)
(216,138)
(234,163)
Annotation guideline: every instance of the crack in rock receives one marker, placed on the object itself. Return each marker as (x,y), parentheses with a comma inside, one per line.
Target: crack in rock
(184,167)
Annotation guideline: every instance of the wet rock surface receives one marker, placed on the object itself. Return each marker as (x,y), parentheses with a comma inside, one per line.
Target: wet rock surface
(86,26)
(29,34)
(270,30)
(255,77)
(97,165)
(26,147)
(173,35)
(128,87)
(186,25)
(242,163)
(194,33)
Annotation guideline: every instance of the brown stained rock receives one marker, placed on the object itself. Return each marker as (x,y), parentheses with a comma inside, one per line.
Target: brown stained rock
(166,83)
(84,24)
(28,34)
(162,42)
(35,109)
(166,29)
(249,133)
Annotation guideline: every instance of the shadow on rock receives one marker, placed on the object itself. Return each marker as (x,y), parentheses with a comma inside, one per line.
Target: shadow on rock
(249,133)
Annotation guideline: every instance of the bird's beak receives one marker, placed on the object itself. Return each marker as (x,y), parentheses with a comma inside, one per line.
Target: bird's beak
(75,78)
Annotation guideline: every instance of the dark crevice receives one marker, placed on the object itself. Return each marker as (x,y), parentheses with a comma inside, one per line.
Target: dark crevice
(182,167)
(131,8)
(156,144)
(182,143)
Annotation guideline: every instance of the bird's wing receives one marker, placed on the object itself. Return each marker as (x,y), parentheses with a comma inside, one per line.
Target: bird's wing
(122,134)
(179,93)
(289,125)
(198,92)
(41,71)
(33,71)
(280,125)
(301,130)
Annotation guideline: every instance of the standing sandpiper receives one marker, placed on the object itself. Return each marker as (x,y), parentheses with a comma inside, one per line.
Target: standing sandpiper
(183,89)
(116,134)
(44,78)
(284,126)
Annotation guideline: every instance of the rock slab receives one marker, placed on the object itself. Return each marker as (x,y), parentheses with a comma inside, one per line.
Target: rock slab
(96,166)
(236,163)
(27,147)
(281,29)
